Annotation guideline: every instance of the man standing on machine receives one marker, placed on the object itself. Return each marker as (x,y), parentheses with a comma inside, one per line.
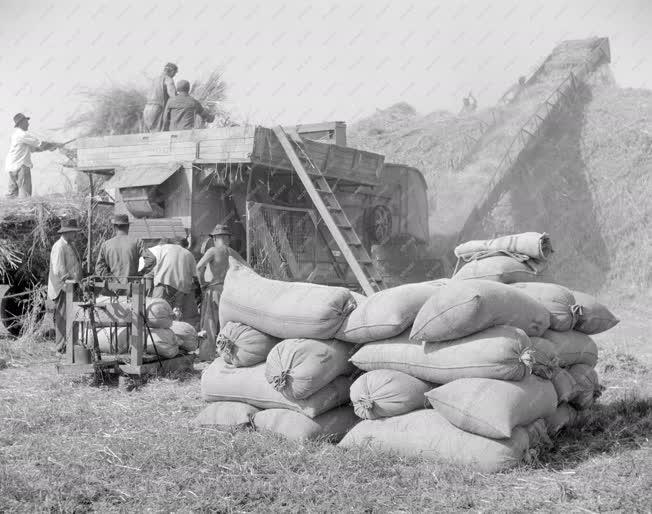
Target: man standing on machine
(65,265)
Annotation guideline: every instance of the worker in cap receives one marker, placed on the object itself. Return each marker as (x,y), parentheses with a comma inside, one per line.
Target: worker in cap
(162,89)
(175,278)
(65,266)
(18,162)
(216,258)
(118,257)
(182,110)
(469,104)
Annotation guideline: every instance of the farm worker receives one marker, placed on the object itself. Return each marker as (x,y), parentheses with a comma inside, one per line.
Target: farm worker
(118,257)
(162,90)
(469,104)
(513,92)
(65,265)
(181,110)
(216,259)
(19,159)
(175,276)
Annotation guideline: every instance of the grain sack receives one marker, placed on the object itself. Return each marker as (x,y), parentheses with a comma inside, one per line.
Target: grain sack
(463,308)
(112,340)
(226,415)
(186,335)
(594,317)
(386,313)
(282,309)
(385,392)
(161,342)
(558,300)
(158,313)
(568,348)
(492,408)
(331,425)
(426,433)
(564,416)
(221,382)
(531,245)
(588,387)
(503,353)
(298,368)
(502,269)
(564,383)
(242,346)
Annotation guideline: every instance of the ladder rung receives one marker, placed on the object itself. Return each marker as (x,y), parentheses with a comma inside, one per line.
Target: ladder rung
(334,209)
(324,192)
(345,227)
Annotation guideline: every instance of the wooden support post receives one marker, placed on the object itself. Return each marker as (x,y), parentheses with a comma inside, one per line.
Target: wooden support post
(89,242)
(70,316)
(137,325)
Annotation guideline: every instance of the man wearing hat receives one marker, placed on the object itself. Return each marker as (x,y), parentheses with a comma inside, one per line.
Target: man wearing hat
(118,257)
(19,159)
(65,265)
(216,259)
(181,110)
(162,90)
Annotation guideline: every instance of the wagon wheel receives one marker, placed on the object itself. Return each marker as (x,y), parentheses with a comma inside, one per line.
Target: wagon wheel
(379,224)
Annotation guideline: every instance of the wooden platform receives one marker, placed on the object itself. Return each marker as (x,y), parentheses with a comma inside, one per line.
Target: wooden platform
(119,363)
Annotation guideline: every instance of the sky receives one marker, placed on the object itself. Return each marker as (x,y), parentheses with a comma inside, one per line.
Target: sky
(292,62)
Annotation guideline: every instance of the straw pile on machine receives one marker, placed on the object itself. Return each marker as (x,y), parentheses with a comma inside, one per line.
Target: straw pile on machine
(470,370)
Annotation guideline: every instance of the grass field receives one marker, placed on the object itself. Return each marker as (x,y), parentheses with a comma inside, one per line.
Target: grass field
(68,447)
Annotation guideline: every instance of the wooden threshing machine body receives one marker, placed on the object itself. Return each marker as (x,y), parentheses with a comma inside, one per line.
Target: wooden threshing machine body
(182,183)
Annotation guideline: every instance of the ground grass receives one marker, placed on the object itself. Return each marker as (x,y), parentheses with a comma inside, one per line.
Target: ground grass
(68,447)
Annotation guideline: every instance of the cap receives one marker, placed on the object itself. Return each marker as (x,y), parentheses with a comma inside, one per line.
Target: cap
(18,118)
(120,219)
(221,230)
(69,225)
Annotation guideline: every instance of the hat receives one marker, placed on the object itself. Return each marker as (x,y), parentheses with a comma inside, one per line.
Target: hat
(221,230)
(68,226)
(18,118)
(121,219)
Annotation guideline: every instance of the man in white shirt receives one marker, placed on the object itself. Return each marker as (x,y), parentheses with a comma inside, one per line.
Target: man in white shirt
(175,277)
(65,265)
(19,159)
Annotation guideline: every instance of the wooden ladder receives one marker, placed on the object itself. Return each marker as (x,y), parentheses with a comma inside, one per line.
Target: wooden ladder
(331,212)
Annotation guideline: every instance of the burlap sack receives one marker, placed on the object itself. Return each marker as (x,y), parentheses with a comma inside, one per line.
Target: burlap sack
(221,382)
(298,368)
(594,317)
(330,426)
(186,335)
(222,415)
(283,309)
(386,313)
(564,416)
(492,408)
(427,434)
(112,340)
(242,346)
(559,301)
(564,383)
(567,348)
(385,392)
(501,268)
(158,313)
(527,245)
(503,353)
(161,342)
(463,308)
(588,387)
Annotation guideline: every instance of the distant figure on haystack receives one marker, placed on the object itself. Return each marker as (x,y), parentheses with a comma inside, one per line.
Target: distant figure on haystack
(162,90)
(19,159)
(118,257)
(513,92)
(217,259)
(65,265)
(181,110)
(469,104)
(175,276)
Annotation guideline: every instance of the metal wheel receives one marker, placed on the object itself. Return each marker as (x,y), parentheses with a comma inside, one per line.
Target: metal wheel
(379,224)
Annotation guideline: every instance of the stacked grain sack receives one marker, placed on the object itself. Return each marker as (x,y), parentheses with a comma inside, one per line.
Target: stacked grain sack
(279,367)
(164,336)
(484,341)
